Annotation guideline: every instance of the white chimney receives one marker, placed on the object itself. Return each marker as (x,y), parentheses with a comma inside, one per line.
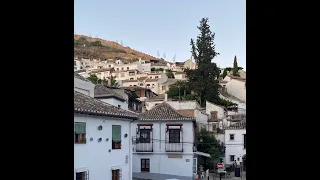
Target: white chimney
(165,97)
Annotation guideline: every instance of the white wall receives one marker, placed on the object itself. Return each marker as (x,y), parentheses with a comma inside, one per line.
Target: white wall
(115,102)
(234,147)
(212,107)
(161,164)
(95,156)
(84,87)
(159,157)
(237,89)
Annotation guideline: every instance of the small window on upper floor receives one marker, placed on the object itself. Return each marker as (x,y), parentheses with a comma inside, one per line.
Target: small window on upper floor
(117,69)
(127,68)
(231,137)
(116,137)
(122,68)
(80,132)
(119,106)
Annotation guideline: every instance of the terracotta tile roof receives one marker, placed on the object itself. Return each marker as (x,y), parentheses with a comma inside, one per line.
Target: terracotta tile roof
(163,112)
(130,80)
(87,105)
(78,76)
(239,125)
(186,112)
(100,70)
(101,91)
(152,80)
(142,78)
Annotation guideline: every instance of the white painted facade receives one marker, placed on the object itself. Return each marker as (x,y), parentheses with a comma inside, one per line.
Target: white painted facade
(78,65)
(161,161)
(95,157)
(116,102)
(234,147)
(84,87)
(213,107)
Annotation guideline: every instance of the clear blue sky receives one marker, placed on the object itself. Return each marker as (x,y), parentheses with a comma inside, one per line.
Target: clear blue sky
(166,25)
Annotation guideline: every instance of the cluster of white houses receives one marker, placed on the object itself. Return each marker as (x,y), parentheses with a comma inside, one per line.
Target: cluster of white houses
(131,132)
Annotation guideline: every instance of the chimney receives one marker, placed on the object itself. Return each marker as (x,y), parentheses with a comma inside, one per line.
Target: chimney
(165,97)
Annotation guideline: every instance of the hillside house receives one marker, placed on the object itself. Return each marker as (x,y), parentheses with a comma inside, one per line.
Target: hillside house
(235,143)
(236,86)
(109,96)
(101,137)
(164,144)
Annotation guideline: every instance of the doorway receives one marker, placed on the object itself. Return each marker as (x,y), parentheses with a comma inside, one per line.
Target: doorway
(145,165)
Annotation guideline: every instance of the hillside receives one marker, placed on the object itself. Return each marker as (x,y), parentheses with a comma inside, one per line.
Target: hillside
(96,48)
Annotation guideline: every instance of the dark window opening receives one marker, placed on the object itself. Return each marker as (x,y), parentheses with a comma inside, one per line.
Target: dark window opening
(145,165)
(174,135)
(145,135)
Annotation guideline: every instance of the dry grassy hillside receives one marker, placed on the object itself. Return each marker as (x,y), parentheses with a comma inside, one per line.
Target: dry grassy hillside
(97,48)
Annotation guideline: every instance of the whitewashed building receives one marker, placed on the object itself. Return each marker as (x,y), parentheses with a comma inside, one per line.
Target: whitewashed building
(164,144)
(235,86)
(102,143)
(108,95)
(235,143)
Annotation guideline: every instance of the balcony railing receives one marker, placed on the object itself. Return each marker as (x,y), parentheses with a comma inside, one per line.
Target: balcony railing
(144,147)
(174,147)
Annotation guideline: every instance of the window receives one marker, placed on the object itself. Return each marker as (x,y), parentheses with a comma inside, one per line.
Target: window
(148,84)
(116,137)
(141,84)
(116,174)
(163,87)
(109,66)
(145,165)
(150,77)
(174,135)
(231,157)
(144,135)
(231,137)
(119,106)
(74,63)
(117,69)
(244,141)
(157,77)
(127,68)
(80,132)
(131,78)
(82,175)
(122,68)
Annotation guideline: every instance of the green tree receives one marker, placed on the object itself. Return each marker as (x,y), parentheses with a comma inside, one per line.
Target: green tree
(170,74)
(93,78)
(207,142)
(203,80)
(225,73)
(235,67)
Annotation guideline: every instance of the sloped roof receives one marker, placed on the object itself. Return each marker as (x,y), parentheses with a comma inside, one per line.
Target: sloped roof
(102,91)
(87,105)
(78,76)
(163,112)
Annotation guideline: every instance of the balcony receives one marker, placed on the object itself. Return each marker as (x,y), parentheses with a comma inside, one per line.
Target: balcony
(174,147)
(144,147)
(144,141)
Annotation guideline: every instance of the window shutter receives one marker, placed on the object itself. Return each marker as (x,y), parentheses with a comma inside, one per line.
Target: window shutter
(116,133)
(80,128)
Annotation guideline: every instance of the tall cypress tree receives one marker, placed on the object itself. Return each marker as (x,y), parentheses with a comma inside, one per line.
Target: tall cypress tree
(235,67)
(203,80)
